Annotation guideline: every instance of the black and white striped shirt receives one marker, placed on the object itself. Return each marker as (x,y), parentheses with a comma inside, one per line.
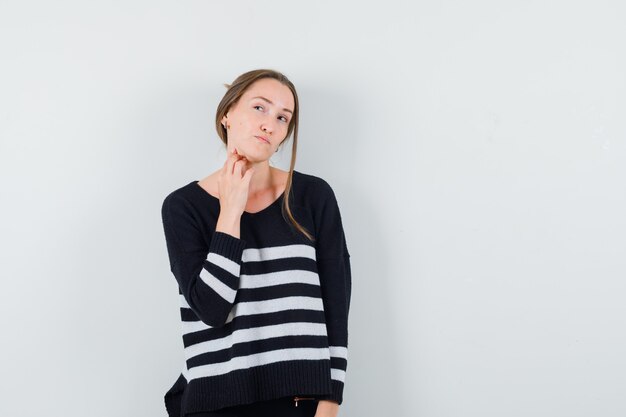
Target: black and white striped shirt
(265,315)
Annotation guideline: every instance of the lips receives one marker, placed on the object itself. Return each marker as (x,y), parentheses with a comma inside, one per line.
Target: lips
(263,138)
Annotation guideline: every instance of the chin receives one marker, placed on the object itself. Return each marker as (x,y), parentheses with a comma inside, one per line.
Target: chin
(255,156)
(257,160)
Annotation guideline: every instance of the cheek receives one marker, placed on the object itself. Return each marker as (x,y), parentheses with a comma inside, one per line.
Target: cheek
(241,124)
(248,121)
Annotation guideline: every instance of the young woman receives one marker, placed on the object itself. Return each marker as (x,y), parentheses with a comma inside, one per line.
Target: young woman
(263,270)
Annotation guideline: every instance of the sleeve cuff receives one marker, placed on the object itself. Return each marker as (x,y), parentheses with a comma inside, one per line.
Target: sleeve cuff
(227,245)
(336,394)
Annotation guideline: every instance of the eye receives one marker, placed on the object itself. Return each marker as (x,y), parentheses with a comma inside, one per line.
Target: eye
(284,118)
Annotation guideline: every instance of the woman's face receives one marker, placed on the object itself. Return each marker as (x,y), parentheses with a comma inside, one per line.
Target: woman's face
(264,110)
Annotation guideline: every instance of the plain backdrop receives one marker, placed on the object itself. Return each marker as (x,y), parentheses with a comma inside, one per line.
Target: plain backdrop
(477,150)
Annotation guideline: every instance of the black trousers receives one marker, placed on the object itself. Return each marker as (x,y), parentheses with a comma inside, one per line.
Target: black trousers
(280,407)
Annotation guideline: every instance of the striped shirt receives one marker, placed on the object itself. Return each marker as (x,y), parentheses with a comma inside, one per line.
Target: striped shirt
(265,315)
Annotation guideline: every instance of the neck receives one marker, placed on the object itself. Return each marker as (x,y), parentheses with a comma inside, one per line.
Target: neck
(263,178)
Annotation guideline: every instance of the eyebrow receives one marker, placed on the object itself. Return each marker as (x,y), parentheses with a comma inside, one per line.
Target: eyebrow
(263,98)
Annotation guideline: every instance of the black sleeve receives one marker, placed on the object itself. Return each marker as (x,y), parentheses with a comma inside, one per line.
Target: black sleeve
(208,277)
(333,263)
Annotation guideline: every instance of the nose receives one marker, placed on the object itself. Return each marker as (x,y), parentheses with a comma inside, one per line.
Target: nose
(267,127)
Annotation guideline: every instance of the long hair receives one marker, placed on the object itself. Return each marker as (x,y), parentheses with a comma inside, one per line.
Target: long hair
(232,95)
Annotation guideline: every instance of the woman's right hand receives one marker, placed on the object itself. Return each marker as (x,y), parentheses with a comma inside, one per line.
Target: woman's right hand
(233,186)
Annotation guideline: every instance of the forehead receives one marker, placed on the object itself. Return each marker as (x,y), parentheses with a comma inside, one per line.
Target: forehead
(275,91)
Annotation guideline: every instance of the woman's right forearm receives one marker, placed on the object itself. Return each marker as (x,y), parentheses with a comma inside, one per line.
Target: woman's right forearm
(229,223)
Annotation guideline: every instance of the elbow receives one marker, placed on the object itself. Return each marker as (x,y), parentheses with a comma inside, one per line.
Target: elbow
(211,310)
(214,319)
(210,294)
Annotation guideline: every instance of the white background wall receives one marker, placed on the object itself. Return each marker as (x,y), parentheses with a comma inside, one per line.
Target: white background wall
(477,150)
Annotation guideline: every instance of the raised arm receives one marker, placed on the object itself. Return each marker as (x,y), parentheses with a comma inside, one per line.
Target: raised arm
(207,276)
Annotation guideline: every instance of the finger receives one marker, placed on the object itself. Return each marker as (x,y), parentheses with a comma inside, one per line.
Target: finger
(232,158)
(239,167)
(229,156)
